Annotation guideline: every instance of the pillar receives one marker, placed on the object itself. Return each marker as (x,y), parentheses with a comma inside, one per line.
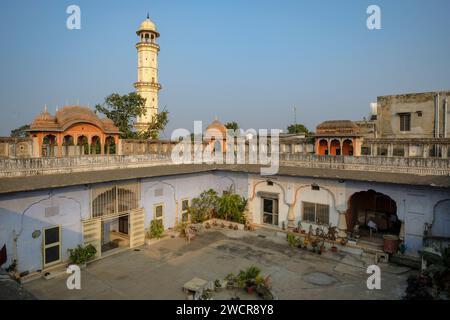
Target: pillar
(291,217)
(445,151)
(390,150)
(59,144)
(342,224)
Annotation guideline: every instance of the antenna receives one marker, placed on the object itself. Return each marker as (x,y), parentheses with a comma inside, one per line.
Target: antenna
(294,109)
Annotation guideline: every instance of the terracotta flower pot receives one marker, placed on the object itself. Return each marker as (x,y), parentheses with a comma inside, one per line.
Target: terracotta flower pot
(334,249)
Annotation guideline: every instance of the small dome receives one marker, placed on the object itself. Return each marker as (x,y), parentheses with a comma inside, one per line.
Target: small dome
(147,25)
(44,117)
(217,125)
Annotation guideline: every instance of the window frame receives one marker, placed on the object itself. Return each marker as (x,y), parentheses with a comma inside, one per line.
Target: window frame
(275,211)
(162,212)
(403,125)
(316,219)
(54,244)
(185,211)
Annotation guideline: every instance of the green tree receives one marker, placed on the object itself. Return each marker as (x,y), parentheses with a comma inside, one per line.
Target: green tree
(123,110)
(158,123)
(297,128)
(232,125)
(20,132)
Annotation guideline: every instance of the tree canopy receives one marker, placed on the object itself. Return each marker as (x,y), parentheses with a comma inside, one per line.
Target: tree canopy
(123,110)
(20,132)
(232,125)
(297,128)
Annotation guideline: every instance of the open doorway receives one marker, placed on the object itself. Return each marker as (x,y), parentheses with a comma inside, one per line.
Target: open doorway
(376,215)
(115,234)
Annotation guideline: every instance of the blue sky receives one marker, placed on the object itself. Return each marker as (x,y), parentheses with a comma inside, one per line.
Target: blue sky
(248,61)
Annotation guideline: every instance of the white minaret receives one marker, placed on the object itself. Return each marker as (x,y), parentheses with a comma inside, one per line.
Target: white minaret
(147,85)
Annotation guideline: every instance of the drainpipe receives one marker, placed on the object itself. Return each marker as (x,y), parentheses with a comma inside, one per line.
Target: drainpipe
(436,116)
(445,117)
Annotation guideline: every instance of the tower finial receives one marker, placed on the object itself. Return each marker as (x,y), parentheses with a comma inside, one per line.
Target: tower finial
(45,108)
(148,15)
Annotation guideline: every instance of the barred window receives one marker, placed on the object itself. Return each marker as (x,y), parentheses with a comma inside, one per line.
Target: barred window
(159,212)
(398,152)
(115,199)
(405,122)
(365,151)
(316,213)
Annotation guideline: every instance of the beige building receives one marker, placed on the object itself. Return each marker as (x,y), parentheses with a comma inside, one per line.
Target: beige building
(147,85)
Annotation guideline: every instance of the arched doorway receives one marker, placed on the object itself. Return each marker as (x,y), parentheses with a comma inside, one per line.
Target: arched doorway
(110,145)
(441,220)
(83,144)
(49,146)
(95,145)
(376,209)
(347,147)
(67,143)
(323,147)
(335,148)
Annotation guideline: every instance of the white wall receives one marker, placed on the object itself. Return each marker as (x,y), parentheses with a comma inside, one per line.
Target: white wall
(25,212)
(177,188)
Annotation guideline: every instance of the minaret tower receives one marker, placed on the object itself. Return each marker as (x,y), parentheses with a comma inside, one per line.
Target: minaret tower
(147,85)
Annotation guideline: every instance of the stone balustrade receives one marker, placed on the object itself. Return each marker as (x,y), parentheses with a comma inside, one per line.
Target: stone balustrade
(40,166)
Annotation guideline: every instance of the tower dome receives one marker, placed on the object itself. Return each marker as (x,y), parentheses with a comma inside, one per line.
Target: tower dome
(147,26)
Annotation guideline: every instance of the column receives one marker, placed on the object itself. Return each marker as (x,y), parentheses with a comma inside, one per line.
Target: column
(291,217)
(445,151)
(390,150)
(426,150)
(59,143)
(342,224)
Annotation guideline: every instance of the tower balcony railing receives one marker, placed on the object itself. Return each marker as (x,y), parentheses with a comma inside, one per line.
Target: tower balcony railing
(147,43)
(155,85)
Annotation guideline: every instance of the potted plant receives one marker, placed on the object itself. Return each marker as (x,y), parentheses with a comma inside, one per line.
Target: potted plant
(217,284)
(81,255)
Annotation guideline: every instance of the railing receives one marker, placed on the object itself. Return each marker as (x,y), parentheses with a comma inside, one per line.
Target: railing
(39,166)
(421,166)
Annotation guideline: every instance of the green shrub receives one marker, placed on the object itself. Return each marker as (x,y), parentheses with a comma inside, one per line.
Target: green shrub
(156,229)
(249,276)
(81,255)
(203,207)
(231,207)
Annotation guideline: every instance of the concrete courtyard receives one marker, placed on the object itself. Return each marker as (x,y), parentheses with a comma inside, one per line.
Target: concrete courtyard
(159,271)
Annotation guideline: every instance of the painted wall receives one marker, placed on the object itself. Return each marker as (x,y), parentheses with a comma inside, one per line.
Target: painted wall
(172,190)
(25,213)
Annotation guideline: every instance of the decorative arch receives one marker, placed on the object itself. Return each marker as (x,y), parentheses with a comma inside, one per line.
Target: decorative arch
(347,147)
(374,206)
(110,145)
(96,147)
(440,226)
(323,147)
(265,181)
(335,148)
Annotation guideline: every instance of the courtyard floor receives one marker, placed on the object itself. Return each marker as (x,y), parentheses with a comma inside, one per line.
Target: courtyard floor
(159,271)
